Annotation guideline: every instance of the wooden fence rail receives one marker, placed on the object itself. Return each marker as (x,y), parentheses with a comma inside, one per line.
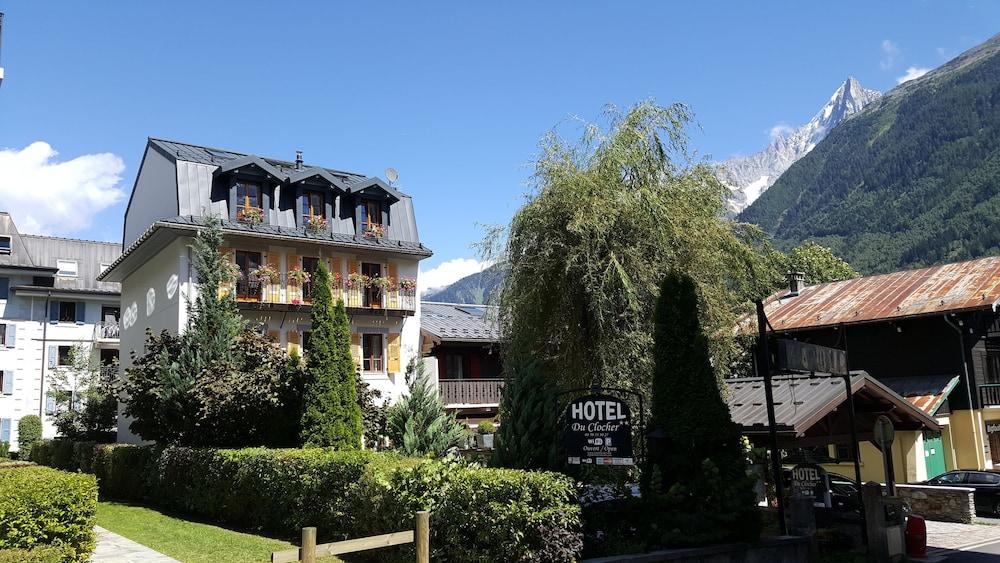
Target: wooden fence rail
(420,535)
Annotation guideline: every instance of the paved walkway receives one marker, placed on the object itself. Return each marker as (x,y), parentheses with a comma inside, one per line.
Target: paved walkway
(112,548)
(946,536)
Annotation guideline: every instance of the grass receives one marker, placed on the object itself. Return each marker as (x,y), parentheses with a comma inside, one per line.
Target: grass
(184,540)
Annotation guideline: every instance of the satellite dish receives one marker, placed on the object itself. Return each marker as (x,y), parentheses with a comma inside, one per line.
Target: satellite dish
(391,175)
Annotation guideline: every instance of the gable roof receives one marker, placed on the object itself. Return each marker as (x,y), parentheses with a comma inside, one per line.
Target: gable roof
(457,322)
(961,286)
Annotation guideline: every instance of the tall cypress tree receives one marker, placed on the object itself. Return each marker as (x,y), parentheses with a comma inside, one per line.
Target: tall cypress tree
(529,416)
(701,469)
(331,415)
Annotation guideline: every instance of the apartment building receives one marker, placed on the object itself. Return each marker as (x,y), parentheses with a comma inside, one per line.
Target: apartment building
(50,301)
(281,219)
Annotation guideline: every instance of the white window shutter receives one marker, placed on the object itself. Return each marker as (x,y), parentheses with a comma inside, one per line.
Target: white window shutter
(53,356)
(8,383)
(11,335)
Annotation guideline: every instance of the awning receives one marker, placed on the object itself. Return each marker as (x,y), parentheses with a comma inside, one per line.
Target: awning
(926,392)
(812,410)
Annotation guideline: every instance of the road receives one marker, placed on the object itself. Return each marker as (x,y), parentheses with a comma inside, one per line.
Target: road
(983,554)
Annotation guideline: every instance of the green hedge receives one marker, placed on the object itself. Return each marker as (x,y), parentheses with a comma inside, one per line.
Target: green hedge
(41,507)
(52,554)
(477,514)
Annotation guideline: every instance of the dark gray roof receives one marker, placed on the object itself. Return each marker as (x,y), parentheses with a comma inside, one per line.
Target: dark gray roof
(456,322)
(219,157)
(801,401)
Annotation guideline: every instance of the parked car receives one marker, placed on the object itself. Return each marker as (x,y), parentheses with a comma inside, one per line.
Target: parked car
(985,482)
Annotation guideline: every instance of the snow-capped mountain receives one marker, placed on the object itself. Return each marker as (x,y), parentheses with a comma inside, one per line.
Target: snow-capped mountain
(750,176)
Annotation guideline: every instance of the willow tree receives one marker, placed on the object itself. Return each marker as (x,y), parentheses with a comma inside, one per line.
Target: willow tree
(607,216)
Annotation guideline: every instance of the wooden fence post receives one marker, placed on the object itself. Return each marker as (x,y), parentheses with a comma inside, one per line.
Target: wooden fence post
(422,538)
(308,545)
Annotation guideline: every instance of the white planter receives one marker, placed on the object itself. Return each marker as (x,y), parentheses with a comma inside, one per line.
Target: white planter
(484,441)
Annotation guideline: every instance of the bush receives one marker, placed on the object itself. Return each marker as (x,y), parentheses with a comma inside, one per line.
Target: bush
(517,515)
(41,507)
(41,453)
(486,427)
(29,433)
(4,450)
(51,554)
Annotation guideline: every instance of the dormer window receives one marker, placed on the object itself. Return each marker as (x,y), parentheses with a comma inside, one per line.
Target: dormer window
(248,201)
(371,214)
(4,244)
(313,205)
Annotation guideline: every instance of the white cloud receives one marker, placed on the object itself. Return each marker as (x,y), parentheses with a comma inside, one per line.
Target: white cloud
(45,196)
(448,272)
(911,73)
(780,130)
(890,54)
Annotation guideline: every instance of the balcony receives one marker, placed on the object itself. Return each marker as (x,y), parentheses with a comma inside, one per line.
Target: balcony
(458,393)
(253,292)
(989,395)
(108,330)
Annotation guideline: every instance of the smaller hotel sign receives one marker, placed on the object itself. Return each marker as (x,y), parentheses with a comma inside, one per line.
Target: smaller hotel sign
(599,431)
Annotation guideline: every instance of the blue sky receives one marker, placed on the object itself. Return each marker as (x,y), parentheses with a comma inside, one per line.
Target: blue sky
(453,95)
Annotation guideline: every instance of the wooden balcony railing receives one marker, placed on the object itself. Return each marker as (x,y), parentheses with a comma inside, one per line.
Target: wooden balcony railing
(989,395)
(477,392)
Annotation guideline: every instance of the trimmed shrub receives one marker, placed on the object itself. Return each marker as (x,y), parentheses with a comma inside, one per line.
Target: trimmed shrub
(62,454)
(42,507)
(29,433)
(51,554)
(83,456)
(4,450)
(478,514)
(41,453)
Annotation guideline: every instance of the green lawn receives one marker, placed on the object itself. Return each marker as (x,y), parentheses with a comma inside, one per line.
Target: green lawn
(186,541)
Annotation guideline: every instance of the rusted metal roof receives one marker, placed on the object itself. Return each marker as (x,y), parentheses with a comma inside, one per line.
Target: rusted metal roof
(961,286)
(802,401)
(926,392)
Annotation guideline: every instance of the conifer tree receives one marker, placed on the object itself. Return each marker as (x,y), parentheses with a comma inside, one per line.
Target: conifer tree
(418,423)
(700,472)
(529,420)
(331,416)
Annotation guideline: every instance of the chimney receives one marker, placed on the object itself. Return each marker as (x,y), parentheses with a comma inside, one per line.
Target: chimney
(298,160)
(796,282)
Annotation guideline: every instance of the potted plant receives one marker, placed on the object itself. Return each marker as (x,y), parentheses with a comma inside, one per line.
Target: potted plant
(337,281)
(265,272)
(251,215)
(231,271)
(375,231)
(407,284)
(355,279)
(298,276)
(484,434)
(379,282)
(316,224)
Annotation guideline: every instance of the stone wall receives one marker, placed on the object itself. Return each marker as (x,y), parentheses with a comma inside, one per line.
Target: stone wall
(945,504)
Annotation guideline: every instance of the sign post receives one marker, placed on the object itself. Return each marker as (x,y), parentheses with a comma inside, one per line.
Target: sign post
(884,434)
(598,431)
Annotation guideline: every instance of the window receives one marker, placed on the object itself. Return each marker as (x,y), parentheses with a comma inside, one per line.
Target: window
(845,452)
(43,281)
(247,196)
(953,478)
(4,288)
(453,366)
(67,268)
(313,205)
(373,293)
(65,356)
(984,479)
(67,311)
(246,287)
(4,244)
(7,382)
(3,335)
(372,352)
(8,335)
(110,314)
(371,213)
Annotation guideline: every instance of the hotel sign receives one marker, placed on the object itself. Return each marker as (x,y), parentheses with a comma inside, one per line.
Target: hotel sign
(799,356)
(598,431)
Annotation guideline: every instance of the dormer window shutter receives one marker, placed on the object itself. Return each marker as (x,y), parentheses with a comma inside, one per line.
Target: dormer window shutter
(81,312)
(53,311)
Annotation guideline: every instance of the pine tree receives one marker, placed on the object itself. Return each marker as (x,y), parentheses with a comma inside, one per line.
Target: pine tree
(529,418)
(701,468)
(331,416)
(418,423)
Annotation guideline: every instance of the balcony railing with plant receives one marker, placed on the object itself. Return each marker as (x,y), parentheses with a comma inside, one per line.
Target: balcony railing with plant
(374,230)
(317,224)
(108,330)
(250,215)
(376,292)
(267,285)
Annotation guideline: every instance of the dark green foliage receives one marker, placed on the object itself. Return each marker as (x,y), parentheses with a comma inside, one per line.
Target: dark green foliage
(911,181)
(374,412)
(42,507)
(477,515)
(818,263)
(418,424)
(29,433)
(4,450)
(332,416)
(696,482)
(529,414)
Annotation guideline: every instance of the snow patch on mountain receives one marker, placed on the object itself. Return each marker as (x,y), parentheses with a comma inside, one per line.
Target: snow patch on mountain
(750,176)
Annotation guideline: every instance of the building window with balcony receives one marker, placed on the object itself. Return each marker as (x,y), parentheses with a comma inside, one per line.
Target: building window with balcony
(67,311)
(248,201)
(247,286)
(371,349)
(373,293)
